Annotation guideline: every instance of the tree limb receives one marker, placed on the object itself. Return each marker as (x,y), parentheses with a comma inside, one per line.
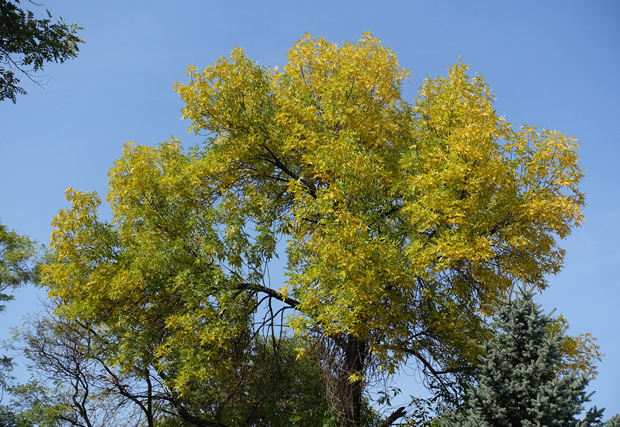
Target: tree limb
(400,412)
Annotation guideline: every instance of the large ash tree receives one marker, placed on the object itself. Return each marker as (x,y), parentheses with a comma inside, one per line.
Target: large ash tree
(405,222)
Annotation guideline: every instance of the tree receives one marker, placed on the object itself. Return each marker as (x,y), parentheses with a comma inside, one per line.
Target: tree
(404,223)
(519,381)
(74,382)
(27,43)
(16,252)
(71,384)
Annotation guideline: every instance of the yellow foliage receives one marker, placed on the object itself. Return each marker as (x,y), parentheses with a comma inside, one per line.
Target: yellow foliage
(579,353)
(405,221)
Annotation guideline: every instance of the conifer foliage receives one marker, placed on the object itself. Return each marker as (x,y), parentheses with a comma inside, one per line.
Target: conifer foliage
(518,381)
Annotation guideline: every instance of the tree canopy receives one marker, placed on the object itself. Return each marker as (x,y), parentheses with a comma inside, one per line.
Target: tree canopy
(27,43)
(404,222)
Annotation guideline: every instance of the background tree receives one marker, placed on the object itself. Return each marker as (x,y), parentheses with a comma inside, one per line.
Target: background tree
(72,385)
(405,223)
(27,43)
(519,381)
(16,253)
(76,382)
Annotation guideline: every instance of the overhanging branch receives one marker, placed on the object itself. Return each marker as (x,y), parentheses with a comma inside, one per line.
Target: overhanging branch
(272,293)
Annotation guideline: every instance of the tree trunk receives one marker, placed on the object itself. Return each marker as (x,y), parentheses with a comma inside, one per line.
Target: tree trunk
(355,354)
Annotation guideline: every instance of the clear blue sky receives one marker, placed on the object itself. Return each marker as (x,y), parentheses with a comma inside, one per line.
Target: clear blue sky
(552,64)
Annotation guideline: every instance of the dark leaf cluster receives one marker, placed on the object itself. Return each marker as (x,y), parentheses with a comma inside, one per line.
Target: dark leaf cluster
(27,43)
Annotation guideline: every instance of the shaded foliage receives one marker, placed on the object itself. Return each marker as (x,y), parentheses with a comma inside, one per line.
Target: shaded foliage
(16,255)
(27,43)
(74,381)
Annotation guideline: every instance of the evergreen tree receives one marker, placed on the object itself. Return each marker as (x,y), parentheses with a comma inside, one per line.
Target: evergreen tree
(518,383)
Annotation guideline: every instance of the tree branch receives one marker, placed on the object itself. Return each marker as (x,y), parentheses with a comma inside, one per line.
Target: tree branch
(400,412)
(273,294)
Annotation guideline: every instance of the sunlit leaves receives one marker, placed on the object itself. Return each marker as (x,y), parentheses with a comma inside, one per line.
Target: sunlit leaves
(400,216)
(405,222)
(150,276)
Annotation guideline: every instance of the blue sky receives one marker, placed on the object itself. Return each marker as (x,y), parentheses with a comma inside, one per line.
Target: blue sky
(553,64)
